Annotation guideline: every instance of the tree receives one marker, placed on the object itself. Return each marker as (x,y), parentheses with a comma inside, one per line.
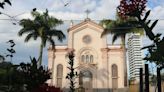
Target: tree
(22,77)
(120,28)
(10,79)
(2,58)
(43,27)
(155,50)
(135,8)
(4,2)
(3,71)
(32,75)
(71,76)
(131,8)
(7,69)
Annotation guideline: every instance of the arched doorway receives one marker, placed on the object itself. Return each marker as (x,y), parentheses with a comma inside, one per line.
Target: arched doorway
(85,80)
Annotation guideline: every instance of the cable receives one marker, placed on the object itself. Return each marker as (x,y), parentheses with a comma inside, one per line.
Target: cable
(12,18)
(83,19)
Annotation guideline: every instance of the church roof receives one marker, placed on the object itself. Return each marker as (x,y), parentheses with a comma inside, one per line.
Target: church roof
(86,21)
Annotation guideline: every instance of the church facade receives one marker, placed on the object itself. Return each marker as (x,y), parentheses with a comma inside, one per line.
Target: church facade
(101,66)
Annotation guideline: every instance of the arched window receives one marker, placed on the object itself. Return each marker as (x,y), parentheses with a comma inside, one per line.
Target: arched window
(59,75)
(91,58)
(114,70)
(87,58)
(83,58)
(114,76)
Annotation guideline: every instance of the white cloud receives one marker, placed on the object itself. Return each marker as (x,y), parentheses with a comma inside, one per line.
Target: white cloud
(106,9)
(158,13)
(67,15)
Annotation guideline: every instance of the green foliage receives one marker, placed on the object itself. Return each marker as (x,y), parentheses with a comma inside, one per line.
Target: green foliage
(156,53)
(71,76)
(23,77)
(11,50)
(120,27)
(10,81)
(32,75)
(43,27)
(3,71)
(155,50)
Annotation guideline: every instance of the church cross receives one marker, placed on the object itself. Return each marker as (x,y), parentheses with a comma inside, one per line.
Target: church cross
(87,12)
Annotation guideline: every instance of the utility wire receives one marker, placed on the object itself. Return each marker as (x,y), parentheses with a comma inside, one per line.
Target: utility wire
(81,19)
(12,18)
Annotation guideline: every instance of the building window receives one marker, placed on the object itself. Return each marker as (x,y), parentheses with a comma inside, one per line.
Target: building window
(59,75)
(91,58)
(87,58)
(83,58)
(114,70)
(114,76)
(87,39)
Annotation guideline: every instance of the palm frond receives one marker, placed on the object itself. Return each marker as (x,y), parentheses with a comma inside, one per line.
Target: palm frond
(26,22)
(42,26)
(52,42)
(53,22)
(28,26)
(24,30)
(121,27)
(105,32)
(105,22)
(115,37)
(108,24)
(29,36)
(57,33)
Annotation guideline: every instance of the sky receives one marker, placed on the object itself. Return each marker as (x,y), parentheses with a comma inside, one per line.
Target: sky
(66,10)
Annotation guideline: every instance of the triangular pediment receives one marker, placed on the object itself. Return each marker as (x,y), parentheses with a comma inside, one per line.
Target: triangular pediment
(87,24)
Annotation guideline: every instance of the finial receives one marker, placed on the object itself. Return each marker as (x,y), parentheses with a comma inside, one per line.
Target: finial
(71,23)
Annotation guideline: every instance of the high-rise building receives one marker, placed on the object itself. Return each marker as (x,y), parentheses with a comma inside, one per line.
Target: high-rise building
(135,55)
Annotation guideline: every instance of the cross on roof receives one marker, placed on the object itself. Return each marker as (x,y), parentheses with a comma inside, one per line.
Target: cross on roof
(87,12)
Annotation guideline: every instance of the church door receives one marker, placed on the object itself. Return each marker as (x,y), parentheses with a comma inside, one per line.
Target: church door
(86,81)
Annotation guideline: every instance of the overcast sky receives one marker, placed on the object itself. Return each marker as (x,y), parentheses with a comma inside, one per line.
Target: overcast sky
(63,9)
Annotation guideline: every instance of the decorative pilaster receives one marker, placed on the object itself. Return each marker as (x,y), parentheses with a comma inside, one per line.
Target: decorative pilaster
(105,63)
(104,54)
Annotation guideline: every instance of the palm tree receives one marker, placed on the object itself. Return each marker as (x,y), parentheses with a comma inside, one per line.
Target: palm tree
(43,27)
(119,28)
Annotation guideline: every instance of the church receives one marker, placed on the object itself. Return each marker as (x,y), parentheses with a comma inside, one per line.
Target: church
(102,66)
